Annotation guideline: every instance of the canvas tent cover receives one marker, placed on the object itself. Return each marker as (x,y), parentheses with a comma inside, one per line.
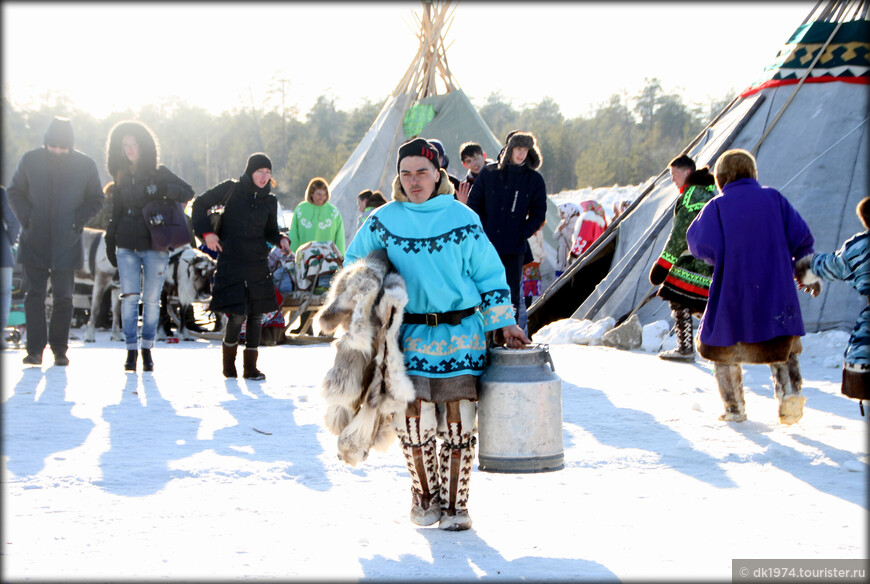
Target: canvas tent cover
(372,165)
(816,155)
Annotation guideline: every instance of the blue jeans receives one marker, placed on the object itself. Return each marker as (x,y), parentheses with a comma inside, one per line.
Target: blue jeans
(135,284)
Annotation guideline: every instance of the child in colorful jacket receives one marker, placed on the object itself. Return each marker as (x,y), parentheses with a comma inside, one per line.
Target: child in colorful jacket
(851,263)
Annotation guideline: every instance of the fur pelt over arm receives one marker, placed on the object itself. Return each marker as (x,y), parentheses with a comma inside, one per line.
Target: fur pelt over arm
(367,385)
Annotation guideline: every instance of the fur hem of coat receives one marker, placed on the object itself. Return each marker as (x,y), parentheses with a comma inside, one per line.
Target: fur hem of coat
(367,386)
(776,350)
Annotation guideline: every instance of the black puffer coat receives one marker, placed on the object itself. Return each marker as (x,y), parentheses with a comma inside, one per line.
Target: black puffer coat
(242,281)
(53,198)
(127,228)
(511,203)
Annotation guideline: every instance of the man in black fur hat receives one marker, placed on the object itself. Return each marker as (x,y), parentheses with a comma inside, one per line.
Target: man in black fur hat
(55,190)
(510,197)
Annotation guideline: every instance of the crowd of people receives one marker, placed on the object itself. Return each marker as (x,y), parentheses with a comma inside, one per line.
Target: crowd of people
(469,253)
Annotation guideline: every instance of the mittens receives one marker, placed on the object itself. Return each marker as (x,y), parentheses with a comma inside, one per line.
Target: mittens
(657,274)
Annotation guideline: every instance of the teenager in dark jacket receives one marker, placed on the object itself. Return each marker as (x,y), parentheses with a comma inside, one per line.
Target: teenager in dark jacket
(243,286)
(55,190)
(511,199)
(132,163)
(473,159)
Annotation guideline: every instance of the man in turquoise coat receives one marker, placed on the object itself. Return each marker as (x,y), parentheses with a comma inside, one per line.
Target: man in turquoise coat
(457,292)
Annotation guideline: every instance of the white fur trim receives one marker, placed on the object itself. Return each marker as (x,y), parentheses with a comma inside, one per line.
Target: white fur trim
(804,274)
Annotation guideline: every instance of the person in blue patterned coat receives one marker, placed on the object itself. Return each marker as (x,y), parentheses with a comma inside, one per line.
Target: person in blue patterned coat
(457,292)
(851,263)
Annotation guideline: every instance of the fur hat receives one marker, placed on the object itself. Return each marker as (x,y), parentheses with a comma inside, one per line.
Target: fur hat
(60,133)
(256,161)
(734,165)
(417,147)
(518,139)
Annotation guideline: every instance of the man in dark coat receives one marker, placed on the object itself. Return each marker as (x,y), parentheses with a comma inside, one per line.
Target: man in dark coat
(55,191)
(511,199)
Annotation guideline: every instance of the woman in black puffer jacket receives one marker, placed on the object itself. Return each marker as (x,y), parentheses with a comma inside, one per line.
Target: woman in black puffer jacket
(138,180)
(243,286)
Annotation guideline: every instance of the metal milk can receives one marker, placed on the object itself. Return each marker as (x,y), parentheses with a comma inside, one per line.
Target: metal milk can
(519,414)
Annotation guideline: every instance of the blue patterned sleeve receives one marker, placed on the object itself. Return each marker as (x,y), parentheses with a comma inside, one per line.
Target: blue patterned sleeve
(487,272)
(363,242)
(851,263)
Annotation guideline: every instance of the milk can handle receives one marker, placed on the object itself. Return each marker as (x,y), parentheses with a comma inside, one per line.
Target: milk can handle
(546,348)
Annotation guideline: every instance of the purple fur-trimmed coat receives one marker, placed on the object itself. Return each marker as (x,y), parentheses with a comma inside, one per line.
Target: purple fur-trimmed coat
(752,237)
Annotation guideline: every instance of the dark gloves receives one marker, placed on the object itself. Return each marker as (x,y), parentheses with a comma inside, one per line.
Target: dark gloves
(657,274)
(110,253)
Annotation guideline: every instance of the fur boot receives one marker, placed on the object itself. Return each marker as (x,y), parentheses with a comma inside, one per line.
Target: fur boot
(249,363)
(730,380)
(230,359)
(456,460)
(417,438)
(685,350)
(787,384)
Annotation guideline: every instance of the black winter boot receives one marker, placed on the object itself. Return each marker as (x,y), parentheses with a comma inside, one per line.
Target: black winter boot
(130,364)
(249,360)
(147,362)
(230,360)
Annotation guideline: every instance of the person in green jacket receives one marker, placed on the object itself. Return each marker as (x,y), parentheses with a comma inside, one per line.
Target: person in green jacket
(315,219)
(683,280)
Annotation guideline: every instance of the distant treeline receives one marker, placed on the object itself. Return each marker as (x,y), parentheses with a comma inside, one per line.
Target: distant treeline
(626,140)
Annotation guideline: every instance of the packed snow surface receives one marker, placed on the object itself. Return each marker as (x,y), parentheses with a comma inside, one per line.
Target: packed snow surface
(180,474)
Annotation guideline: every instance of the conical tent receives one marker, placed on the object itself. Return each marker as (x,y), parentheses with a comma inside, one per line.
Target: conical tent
(806,122)
(427,102)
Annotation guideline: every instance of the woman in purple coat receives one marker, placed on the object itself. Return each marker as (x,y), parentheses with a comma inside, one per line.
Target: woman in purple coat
(754,239)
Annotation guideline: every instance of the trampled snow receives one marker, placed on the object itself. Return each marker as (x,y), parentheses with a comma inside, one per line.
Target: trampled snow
(182,475)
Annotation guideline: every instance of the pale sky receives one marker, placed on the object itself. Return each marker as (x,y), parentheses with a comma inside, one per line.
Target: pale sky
(222,56)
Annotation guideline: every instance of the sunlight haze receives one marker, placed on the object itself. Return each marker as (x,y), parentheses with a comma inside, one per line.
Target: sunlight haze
(225,56)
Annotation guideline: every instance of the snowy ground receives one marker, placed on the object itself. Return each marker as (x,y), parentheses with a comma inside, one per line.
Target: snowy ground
(182,475)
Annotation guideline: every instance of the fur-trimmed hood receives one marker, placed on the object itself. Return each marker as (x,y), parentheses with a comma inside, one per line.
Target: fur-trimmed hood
(445,187)
(521,140)
(701,178)
(116,159)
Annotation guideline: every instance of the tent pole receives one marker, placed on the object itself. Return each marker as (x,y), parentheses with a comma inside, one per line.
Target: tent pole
(608,234)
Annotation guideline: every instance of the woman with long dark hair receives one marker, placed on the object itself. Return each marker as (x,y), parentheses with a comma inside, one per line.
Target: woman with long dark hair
(132,156)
